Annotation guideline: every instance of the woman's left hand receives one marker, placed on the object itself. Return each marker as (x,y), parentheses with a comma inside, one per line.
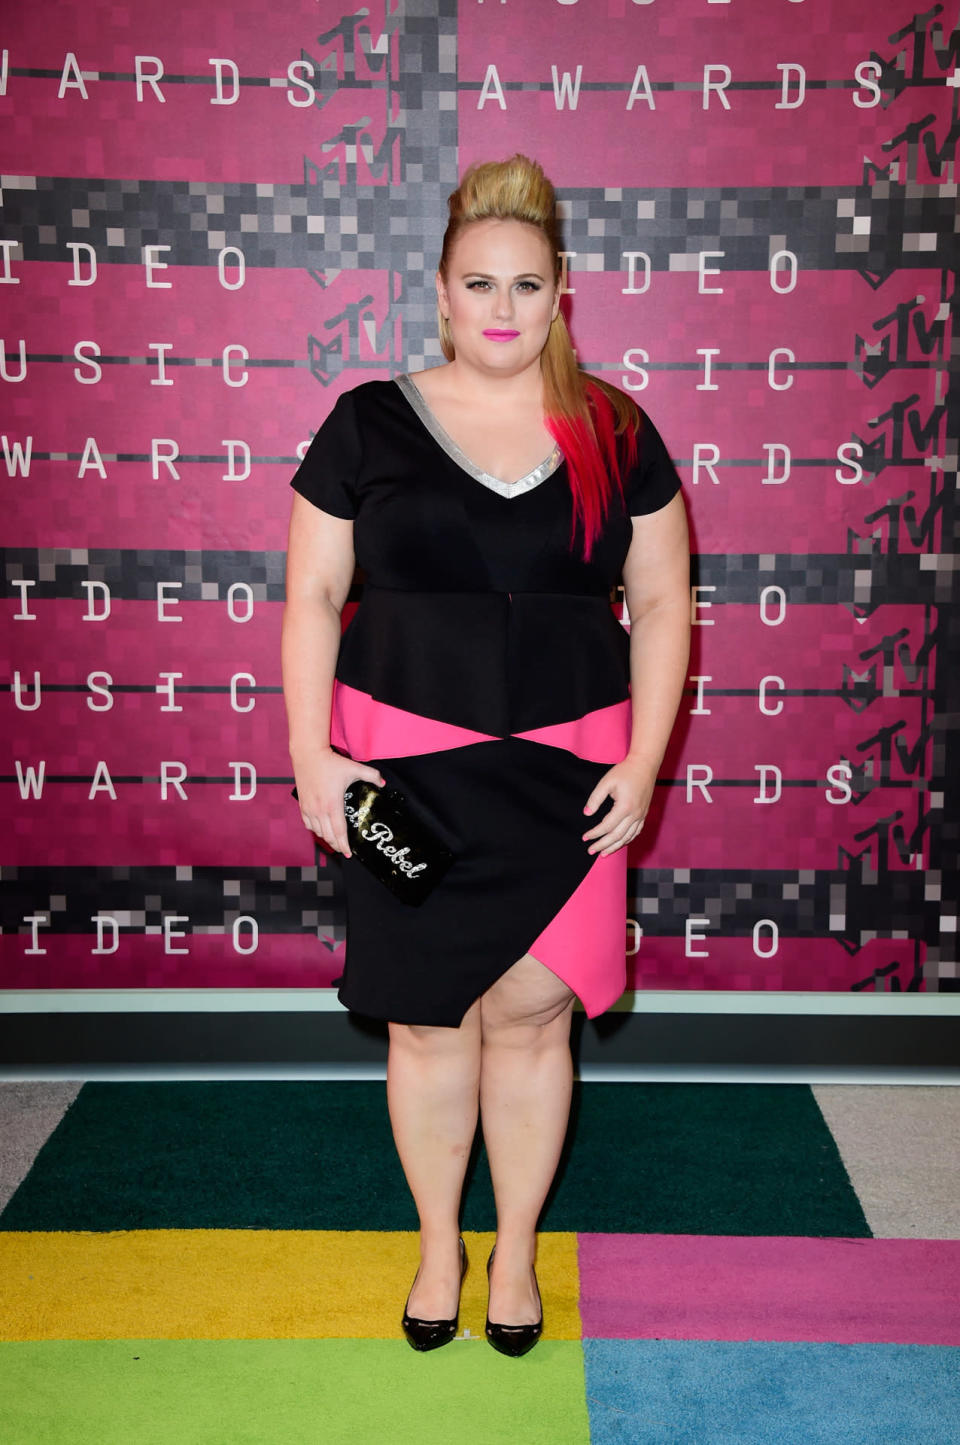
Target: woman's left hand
(630,784)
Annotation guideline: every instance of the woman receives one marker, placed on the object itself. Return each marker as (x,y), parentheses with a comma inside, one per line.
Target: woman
(493,503)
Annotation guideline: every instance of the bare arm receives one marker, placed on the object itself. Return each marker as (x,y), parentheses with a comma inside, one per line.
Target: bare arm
(656,580)
(320,565)
(656,583)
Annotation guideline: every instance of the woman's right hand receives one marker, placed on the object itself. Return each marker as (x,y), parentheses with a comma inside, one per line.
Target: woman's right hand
(321,784)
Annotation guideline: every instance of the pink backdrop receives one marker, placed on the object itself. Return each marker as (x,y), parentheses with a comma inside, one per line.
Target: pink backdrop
(759,204)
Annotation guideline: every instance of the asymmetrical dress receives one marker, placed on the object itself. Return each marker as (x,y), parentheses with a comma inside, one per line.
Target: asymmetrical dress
(485,674)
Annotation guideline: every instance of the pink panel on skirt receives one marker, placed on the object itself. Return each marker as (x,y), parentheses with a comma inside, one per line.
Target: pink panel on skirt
(585,944)
(366,728)
(601,736)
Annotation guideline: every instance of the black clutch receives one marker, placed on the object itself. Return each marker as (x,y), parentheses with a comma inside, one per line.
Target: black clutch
(397,848)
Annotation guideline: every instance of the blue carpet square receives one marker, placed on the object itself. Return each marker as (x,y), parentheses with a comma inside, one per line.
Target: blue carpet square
(707,1392)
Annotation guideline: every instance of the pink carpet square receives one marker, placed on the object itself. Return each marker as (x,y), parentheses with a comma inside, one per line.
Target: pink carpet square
(717,1287)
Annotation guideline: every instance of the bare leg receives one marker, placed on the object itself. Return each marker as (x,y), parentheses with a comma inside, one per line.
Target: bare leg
(433,1077)
(526,1078)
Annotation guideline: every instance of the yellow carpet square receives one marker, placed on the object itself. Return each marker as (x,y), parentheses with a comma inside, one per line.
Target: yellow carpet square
(245,1284)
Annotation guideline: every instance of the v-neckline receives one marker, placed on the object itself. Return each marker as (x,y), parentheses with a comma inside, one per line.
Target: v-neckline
(547,467)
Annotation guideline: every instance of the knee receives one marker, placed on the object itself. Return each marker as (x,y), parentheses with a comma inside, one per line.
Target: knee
(414,1038)
(526,1025)
(434,1041)
(528,1006)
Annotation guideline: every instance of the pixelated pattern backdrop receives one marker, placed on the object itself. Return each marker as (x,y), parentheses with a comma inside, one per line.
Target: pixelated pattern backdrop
(216,218)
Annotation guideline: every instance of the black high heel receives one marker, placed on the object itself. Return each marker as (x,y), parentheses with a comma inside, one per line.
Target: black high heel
(514,1340)
(431,1334)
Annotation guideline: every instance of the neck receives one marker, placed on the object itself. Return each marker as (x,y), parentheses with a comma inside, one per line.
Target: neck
(523,388)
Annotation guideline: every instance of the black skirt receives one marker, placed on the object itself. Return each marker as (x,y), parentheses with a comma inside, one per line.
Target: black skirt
(485,674)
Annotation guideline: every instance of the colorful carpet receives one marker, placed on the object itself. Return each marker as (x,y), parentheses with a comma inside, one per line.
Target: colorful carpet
(217,1264)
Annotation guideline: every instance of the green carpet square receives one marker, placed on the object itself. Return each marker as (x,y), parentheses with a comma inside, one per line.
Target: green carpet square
(289,1392)
(640,1158)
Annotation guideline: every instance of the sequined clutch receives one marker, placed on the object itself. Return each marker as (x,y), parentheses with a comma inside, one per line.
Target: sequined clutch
(397,848)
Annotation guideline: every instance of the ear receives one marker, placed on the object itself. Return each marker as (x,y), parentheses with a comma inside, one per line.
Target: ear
(442,300)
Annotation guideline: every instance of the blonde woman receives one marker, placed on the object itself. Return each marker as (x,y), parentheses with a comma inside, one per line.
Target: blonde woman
(493,502)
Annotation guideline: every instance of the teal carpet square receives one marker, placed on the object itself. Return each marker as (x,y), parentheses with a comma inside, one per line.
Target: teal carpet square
(640,1158)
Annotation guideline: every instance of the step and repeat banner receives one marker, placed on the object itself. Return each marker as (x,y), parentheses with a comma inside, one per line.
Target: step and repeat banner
(216,218)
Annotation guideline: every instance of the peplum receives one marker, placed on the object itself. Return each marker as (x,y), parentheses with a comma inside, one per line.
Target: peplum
(485,674)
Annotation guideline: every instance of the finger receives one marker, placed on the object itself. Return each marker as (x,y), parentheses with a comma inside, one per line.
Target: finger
(344,831)
(607,824)
(602,828)
(366,773)
(311,821)
(339,829)
(616,825)
(600,792)
(332,831)
(615,835)
(623,842)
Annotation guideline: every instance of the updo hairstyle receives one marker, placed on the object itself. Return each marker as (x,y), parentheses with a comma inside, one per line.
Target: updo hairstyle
(594,423)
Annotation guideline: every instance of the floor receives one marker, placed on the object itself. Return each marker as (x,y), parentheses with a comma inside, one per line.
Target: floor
(220,1264)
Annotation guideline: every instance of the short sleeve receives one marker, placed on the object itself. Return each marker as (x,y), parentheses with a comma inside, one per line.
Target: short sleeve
(652,481)
(327,476)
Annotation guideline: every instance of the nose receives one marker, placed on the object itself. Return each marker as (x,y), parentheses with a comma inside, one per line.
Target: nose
(503,303)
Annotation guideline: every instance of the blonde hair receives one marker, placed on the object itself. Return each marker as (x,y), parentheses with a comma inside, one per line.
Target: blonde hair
(518,190)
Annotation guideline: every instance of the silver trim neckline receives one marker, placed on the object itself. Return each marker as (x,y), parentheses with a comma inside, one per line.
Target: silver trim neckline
(546,469)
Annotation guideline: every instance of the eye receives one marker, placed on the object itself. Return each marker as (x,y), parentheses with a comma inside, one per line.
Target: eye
(477,285)
(528,285)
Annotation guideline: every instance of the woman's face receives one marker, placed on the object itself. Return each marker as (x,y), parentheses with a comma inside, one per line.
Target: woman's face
(499,295)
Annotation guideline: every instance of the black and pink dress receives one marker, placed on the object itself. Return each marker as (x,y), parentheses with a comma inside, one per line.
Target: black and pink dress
(485,674)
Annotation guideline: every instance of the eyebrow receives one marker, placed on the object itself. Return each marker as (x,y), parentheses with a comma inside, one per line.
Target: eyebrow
(521,276)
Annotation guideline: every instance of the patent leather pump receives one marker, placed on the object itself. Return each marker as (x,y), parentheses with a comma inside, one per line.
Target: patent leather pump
(514,1340)
(431,1334)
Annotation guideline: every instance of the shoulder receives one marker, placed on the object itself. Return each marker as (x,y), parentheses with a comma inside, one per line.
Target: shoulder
(349,418)
(354,409)
(602,395)
(431,382)
(652,479)
(431,372)
(367,394)
(625,408)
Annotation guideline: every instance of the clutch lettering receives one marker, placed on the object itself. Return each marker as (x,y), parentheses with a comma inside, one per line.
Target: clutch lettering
(382,837)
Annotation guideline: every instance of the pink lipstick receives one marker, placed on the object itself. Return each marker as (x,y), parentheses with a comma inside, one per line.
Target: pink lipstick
(501,335)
